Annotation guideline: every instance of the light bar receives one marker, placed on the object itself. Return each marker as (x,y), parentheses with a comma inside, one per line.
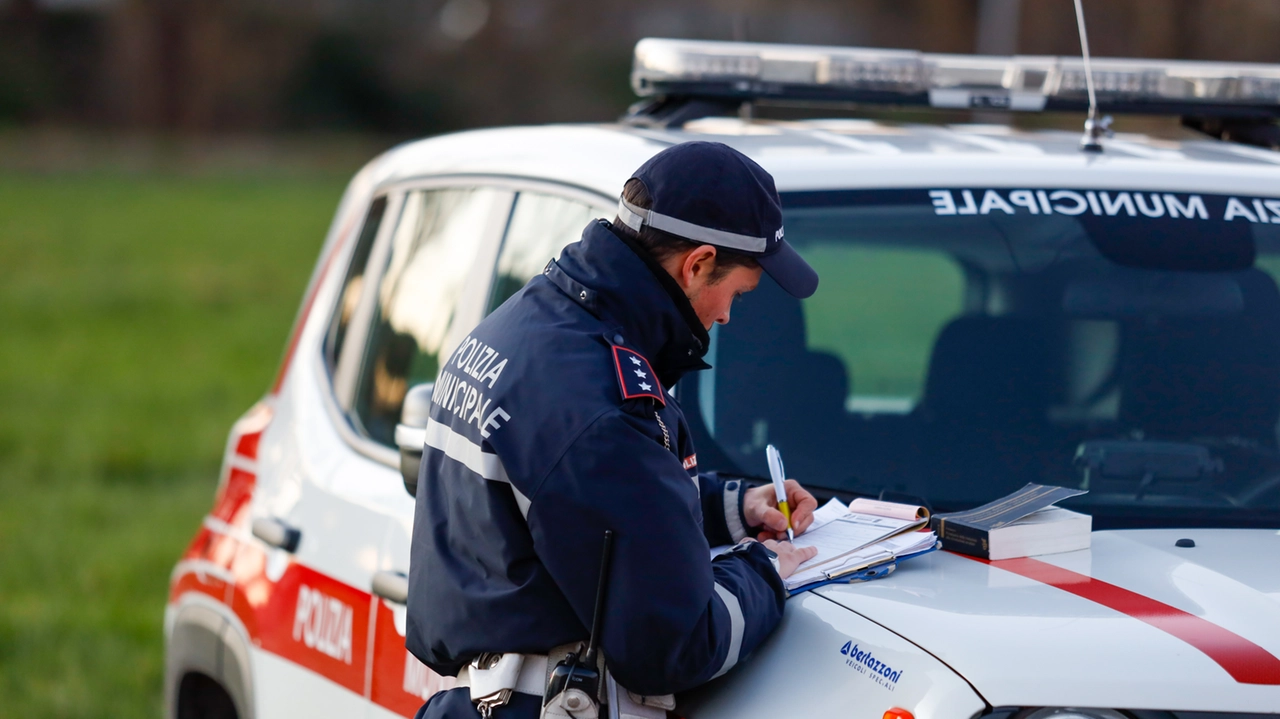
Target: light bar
(757,71)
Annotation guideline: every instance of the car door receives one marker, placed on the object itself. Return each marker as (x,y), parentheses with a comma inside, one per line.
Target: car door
(424,298)
(328,482)
(299,588)
(543,220)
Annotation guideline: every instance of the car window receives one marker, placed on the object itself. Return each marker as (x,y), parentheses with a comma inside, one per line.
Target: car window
(961,345)
(541,225)
(433,256)
(879,319)
(353,284)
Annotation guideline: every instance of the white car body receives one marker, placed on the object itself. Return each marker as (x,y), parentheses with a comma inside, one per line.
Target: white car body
(303,634)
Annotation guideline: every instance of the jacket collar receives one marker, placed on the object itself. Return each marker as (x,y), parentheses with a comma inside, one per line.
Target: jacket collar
(619,283)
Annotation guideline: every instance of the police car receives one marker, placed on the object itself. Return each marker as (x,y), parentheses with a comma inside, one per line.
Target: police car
(997,307)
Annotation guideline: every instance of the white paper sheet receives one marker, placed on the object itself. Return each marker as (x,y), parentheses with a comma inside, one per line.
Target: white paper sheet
(831,511)
(845,539)
(900,545)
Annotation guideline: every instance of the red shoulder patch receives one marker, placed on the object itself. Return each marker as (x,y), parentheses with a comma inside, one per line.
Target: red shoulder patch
(635,376)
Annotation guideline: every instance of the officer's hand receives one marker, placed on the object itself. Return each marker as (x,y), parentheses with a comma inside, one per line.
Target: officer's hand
(760,506)
(789,555)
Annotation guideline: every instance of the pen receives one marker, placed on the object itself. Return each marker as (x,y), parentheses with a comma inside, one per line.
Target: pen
(779,487)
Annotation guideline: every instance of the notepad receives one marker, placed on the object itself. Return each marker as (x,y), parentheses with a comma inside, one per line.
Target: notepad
(857,536)
(865,533)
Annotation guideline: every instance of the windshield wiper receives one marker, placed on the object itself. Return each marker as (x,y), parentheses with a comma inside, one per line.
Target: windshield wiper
(1145,461)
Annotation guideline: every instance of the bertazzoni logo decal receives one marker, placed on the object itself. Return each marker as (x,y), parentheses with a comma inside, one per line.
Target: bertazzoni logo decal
(864,662)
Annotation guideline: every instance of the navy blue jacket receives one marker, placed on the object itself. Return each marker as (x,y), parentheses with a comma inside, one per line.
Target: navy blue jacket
(547,428)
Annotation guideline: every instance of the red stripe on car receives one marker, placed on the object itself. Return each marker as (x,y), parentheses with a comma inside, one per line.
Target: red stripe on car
(1245,661)
(234,496)
(306,617)
(400,682)
(336,630)
(247,445)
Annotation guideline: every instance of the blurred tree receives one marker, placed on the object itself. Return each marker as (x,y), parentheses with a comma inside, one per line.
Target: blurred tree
(421,66)
(23,87)
(997,23)
(204,65)
(339,86)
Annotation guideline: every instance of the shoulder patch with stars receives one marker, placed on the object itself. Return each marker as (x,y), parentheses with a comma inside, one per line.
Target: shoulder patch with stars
(635,376)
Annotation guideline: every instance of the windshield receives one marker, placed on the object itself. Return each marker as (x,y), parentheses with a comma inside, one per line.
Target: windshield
(966,341)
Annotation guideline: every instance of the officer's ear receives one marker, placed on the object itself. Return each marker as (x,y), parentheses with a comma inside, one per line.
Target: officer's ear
(697,268)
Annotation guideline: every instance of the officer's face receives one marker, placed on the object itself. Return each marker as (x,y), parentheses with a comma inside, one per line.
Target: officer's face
(711,297)
(714,300)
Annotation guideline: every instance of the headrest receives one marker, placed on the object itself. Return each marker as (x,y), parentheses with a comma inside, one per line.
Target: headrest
(1214,376)
(765,322)
(990,369)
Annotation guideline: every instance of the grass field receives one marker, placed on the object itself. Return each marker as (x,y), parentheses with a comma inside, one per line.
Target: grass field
(140,314)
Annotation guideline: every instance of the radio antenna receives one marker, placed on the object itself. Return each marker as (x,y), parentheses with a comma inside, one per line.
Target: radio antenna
(602,590)
(1093,128)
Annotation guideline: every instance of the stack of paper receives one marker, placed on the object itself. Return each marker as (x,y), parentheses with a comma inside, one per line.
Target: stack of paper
(865,534)
(849,540)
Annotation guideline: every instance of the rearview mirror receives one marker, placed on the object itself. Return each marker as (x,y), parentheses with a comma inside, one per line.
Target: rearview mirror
(1172,243)
(1129,293)
(411,433)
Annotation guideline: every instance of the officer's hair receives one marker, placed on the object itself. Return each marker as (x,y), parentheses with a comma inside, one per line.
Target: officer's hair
(664,245)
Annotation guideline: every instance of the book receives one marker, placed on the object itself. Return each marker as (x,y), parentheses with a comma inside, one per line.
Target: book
(864,535)
(1023,524)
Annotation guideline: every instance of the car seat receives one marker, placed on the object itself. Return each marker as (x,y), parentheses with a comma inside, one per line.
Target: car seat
(984,411)
(1186,378)
(769,388)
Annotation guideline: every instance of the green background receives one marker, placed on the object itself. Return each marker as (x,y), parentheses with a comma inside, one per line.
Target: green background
(140,314)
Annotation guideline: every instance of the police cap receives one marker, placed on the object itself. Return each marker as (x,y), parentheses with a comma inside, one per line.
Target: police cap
(709,193)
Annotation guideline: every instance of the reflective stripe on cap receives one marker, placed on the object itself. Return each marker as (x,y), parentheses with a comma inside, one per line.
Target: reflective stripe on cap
(636,217)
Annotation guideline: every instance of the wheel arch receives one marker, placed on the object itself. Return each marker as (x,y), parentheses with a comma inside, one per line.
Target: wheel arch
(206,638)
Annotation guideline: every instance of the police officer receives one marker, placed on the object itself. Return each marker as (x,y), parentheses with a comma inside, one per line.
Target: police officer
(552,423)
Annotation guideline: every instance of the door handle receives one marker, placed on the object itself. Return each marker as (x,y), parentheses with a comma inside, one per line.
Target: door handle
(391,586)
(277,533)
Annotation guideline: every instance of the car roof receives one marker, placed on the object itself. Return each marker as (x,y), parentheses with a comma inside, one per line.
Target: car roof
(834,154)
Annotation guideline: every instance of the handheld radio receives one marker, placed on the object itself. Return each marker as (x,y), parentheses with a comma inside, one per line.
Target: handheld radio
(573,687)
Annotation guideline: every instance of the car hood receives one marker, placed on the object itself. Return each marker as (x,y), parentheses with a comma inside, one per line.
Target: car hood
(1133,622)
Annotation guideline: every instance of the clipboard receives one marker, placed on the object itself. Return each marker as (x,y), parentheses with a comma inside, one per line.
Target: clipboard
(861,574)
